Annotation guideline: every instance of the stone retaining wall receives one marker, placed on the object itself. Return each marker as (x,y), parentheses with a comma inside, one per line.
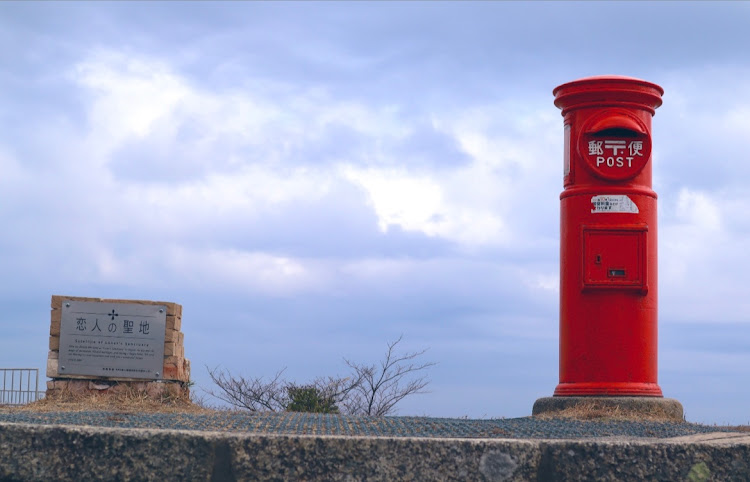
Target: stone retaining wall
(35,452)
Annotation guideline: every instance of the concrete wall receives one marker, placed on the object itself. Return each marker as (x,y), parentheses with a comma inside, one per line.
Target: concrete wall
(32,452)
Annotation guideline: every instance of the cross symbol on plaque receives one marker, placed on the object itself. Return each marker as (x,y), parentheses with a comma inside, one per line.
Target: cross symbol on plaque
(113,314)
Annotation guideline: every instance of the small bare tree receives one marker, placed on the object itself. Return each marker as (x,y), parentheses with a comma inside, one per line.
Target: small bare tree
(336,388)
(382,387)
(370,390)
(254,394)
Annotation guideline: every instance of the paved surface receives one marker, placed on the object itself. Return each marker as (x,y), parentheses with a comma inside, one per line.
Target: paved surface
(322,424)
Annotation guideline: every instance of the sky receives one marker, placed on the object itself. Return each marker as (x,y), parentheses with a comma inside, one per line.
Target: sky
(313,180)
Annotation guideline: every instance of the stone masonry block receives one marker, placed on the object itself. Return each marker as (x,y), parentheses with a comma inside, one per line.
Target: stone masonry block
(174,323)
(175,373)
(54,343)
(72,386)
(54,328)
(52,368)
(53,355)
(58,299)
(170,336)
(170,349)
(174,309)
(174,336)
(173,361)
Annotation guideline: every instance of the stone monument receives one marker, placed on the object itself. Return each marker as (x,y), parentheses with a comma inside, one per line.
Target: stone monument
(112,346)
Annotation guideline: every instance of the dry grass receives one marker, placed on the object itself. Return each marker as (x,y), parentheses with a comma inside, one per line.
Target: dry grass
(736,428)
(599,411)
(126,402)
(139,402)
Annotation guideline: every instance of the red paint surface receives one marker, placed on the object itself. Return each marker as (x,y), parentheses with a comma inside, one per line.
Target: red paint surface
(608,278)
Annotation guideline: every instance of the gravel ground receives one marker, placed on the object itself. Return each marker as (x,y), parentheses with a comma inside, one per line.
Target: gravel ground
(323,424)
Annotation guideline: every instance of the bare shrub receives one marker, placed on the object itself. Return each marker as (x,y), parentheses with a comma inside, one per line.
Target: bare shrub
(254,394)
(383,386)
(372,390)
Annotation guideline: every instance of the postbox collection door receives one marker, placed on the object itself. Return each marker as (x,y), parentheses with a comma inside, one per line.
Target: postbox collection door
(614,258)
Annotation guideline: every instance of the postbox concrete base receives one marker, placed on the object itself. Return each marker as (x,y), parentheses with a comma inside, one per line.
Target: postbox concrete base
(594,407)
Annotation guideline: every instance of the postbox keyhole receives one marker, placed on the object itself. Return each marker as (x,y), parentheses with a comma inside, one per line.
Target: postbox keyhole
(598,259)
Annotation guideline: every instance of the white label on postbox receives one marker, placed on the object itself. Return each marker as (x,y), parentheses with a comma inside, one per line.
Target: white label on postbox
(613,203)
(566,148)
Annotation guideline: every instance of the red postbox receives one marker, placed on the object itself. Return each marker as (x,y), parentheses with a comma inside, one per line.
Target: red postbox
(608,298)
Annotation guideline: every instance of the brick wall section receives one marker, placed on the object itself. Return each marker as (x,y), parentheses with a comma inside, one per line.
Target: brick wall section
(176,367)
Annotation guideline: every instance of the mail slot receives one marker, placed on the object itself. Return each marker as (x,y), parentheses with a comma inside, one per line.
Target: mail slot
(614,144)
(608,239)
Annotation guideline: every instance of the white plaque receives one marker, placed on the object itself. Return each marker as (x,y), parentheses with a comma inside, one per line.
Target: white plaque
(613,203)
(120,340)
(566,151)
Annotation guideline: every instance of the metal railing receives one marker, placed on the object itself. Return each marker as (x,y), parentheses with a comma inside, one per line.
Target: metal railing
(19,386)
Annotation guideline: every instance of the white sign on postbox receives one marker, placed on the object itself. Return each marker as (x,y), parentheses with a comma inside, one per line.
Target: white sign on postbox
(613,203)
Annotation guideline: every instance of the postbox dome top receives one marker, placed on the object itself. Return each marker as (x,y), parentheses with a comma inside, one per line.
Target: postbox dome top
(604,90)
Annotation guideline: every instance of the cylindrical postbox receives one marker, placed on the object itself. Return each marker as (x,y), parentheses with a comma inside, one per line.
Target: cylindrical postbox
(608,298)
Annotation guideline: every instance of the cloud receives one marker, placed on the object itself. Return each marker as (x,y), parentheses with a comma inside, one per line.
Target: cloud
(702,257)
(419,203)
(699,211)
(237,271)
(130,95)
(242,147)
